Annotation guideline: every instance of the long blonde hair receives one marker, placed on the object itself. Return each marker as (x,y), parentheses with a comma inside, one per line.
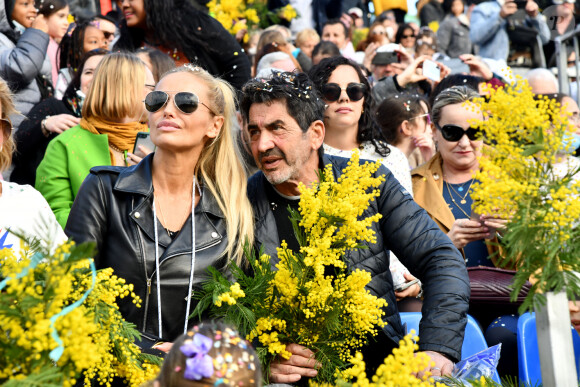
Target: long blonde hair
(220,165)
(116,91)
(8,109)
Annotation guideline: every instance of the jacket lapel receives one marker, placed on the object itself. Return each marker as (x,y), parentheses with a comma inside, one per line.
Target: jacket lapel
(432,195)
(137,180)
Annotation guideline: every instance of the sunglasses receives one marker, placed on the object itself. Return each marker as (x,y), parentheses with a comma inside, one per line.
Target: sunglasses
(185,101)
(6,125)
(407,36)
(331,91)
(454,133)
(424,115)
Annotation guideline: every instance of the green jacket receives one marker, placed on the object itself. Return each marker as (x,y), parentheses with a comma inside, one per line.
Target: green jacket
(68,160)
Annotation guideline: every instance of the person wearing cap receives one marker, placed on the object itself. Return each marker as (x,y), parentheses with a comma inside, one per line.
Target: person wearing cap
(356,14)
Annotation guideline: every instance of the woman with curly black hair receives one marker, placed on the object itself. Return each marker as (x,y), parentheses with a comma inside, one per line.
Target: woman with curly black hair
(350,124)
(184,33)
(348,118)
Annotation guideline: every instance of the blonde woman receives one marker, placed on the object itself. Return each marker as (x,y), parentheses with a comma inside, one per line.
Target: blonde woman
(190,193)
(112,114)
(22,208)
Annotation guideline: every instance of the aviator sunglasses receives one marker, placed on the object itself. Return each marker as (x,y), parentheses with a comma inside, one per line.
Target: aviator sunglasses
(454,133)
(355,91)
(185,101)
(6,125)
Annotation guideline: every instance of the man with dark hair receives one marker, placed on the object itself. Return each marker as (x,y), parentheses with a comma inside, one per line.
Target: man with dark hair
(284,123)
(336,31)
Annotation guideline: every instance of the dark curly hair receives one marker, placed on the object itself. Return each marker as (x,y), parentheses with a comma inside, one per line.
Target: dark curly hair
(172,22)
(368,129)
(302,100)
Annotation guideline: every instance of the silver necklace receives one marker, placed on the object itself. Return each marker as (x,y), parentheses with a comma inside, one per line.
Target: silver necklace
(191,272)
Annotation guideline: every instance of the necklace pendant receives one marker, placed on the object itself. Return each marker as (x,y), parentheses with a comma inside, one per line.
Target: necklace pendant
(463,201)
(460,189)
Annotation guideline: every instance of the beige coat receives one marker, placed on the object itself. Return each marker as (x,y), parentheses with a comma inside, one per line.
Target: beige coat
(428,192)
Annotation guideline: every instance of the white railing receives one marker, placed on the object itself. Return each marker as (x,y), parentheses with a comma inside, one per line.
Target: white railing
(562,43)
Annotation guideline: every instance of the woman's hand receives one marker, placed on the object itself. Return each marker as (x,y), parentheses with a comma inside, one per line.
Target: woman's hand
(164,347)
(60,123)
(425,144)
(411,291)
(464,231)
(134,159)
(300,364)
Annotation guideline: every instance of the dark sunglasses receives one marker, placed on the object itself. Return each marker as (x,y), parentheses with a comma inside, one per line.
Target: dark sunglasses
(6,125)
(185,101)
(407,36)
(454,133)
(355,91)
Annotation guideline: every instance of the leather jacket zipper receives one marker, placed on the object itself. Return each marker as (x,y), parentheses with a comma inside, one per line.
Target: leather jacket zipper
(150,279)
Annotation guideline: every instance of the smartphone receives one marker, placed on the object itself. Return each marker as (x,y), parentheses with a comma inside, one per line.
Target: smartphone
(144,139)
(431,70)
(475,216)
(405,285)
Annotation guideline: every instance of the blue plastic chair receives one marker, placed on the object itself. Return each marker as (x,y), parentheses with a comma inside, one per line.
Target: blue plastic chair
(528,353)
(473,342)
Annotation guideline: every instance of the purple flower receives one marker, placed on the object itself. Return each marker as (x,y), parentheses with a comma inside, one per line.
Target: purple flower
(199,364)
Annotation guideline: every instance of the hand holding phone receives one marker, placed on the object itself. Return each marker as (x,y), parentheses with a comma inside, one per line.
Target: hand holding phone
(143,139)
(405,285)
(475,216)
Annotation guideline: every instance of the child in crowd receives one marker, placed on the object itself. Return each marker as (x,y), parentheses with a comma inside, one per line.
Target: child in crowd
(56,13)
(23,63)
(210,354)
(80,39)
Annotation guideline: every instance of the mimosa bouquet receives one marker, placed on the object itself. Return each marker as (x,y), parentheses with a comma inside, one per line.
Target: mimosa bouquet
(310,297)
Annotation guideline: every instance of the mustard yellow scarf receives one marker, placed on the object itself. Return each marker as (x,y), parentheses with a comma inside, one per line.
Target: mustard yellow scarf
(121,136)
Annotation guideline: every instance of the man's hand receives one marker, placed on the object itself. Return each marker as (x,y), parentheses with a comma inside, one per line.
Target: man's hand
(300,364)
(477,67)
(370,53)
(532,8)
(405,58)
(442,367)
(410,74)
(507,9)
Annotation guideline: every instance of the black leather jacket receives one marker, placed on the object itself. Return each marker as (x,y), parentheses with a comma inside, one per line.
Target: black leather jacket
(114,209)
(422,247)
